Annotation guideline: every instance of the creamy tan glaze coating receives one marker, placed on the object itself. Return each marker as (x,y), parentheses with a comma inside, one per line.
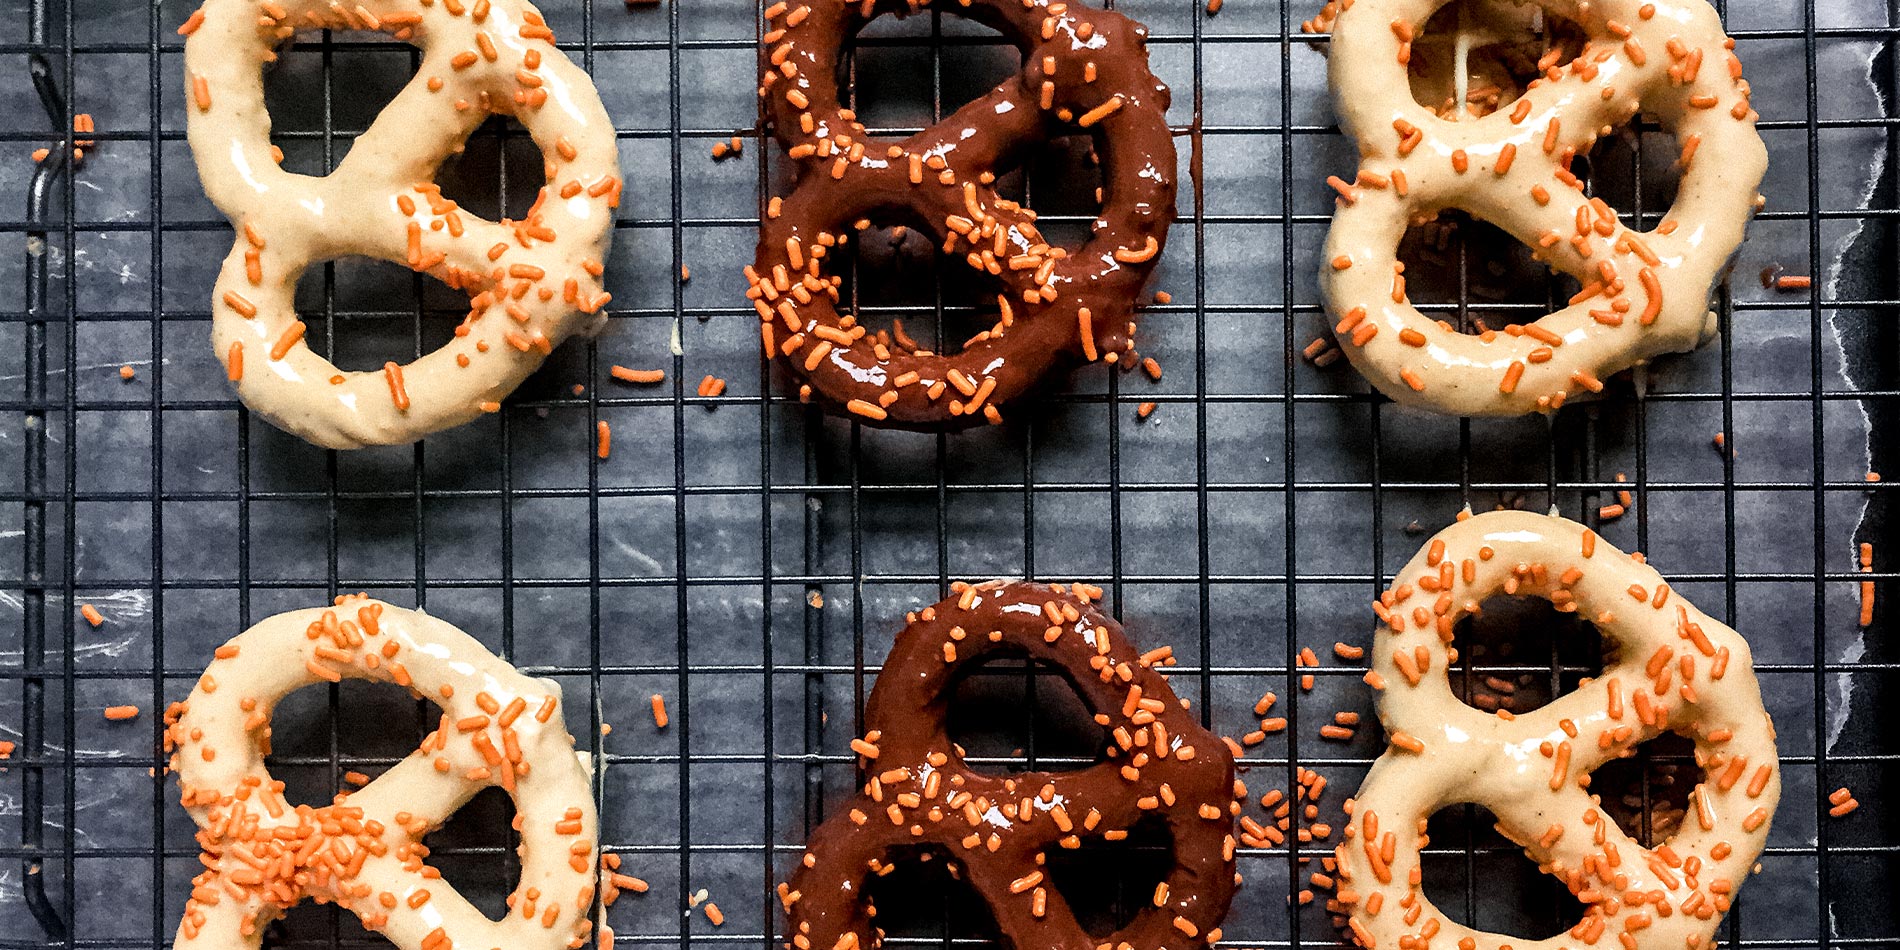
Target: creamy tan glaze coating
(1644,293)
(1674,669)
(531,283)
(363,852)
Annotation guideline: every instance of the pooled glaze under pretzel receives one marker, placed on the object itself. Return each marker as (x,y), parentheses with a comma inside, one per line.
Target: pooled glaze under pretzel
(531,283)
(1647,292)
(997,827)
(1085,71)
(364,851)
(1674,669)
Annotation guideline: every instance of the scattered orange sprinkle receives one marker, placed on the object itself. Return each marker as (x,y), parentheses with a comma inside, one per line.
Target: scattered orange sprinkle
(626,375)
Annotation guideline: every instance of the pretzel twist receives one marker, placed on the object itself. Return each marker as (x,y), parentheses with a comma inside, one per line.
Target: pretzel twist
(1644,293)
(1085,72)
(531,283)
(364,851)
(997,828)
(1674,669)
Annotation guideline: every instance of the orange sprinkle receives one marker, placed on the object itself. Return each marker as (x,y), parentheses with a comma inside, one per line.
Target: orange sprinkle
(392,373)
(291,335)
(1652,288)
(201,92)
(92,615)
(121,713)
(1561,767)
(659,711)
(1505,156)
(869,410)
(1793,282)
(236,301)
(1512,374)
(234,363)
(1100,112)
(603,438)
(1086,326)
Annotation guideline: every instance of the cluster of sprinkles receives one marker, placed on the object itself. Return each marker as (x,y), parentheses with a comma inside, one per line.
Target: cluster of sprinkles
(918,790)
(1644,290)
(1624,503)
(1086,71)
(82,123)
(529,282)
(1680,671)
(267,855)
(613,883)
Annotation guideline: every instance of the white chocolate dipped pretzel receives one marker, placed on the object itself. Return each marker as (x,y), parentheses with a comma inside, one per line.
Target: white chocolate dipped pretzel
(1644,294)
(364,852)
(1674,669)
(531,283)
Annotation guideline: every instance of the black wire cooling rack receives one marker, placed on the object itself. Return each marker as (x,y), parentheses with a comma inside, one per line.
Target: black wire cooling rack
(750,560)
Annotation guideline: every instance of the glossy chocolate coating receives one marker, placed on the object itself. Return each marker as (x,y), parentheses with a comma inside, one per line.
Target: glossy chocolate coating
(967,815)
(846,176)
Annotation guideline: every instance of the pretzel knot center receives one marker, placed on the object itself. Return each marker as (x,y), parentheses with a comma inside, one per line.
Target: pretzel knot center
(995,828)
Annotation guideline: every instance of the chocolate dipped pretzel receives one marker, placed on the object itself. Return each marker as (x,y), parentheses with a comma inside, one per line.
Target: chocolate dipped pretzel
(996,829)
(1673,669)
(1085,71)
(1643,293)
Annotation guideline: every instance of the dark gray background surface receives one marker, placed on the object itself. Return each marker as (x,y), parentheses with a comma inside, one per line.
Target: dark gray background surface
(752,560)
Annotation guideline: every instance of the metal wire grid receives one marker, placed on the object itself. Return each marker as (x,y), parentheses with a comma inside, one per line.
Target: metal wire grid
(822,595)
